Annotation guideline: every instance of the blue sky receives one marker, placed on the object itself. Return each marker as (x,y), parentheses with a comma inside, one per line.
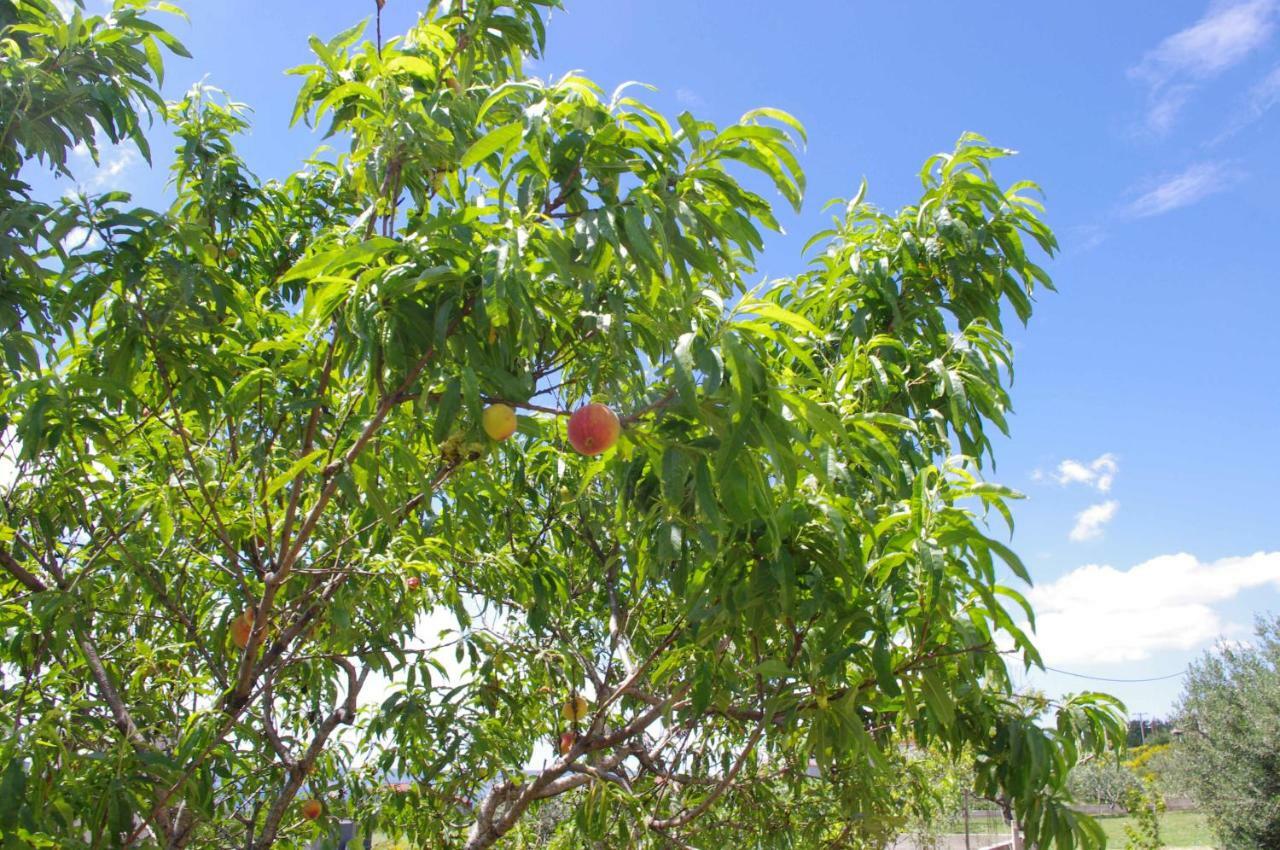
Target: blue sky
(1147,389)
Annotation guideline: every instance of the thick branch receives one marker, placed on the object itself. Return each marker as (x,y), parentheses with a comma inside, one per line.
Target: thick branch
(24,577)
(343,713)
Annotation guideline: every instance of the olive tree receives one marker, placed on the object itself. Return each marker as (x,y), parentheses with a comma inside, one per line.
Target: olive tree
(1229,716)
(249,467)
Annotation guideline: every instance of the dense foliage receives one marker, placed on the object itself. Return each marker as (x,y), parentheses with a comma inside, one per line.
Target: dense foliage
(1229,717)
(250,476)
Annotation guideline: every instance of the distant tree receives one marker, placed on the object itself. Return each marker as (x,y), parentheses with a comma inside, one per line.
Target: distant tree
(1230,718)
(1102,782)
(1143,731)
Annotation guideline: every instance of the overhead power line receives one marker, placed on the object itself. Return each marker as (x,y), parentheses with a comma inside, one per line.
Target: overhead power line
(1108,679)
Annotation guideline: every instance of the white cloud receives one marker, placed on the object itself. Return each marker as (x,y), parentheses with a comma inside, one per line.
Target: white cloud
(81,239)
(1265,93)
(1226,34)
(1084,238)
(115,161)
(110,170)
(1194,184)
(1166,105)
(1098,614)
(689,97)
(1259,100)
(1072,471)
(1091,520)
(1099,473)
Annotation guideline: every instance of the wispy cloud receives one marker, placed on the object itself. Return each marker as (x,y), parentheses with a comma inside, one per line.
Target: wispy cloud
(1098,473)
(1083,238)
(1165,107)
(1258,101)
(110,169)
(1265,93)
(1226,34)
(1091,521)
(1100,614)
(112,166)
(1189,186)
(689,97)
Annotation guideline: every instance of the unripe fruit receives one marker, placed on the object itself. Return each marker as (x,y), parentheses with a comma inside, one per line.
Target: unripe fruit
(575,709)
(312,809)
(567,740)
(593,429)
(241,628)
(499,421)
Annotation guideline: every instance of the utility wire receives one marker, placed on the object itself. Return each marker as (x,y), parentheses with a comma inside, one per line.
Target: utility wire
(1106,679)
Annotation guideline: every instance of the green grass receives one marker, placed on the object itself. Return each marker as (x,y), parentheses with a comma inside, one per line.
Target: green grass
(1177,829)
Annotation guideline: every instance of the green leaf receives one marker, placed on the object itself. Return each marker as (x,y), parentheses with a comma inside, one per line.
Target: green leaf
(299,466)
(414,65)
(447,410)
(12,791)
(638,238)
(490,143)
(776,313)
(683,365)
(779,116)
(938,698)
(1011,558)
(772,668)
(328,262)
(675,472)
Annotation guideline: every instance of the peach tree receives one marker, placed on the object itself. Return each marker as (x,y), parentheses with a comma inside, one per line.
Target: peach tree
(263,563)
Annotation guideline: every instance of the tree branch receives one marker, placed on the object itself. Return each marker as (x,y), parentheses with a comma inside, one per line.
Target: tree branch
(24,577)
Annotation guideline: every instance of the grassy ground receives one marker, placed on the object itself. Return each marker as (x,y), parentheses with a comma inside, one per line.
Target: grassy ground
(1177,829)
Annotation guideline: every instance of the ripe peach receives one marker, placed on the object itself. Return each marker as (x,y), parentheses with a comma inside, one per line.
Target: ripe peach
(241,628)
(575,709)
(414,582)
(567,740)
(593,429)
(499,421)
(312,809)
